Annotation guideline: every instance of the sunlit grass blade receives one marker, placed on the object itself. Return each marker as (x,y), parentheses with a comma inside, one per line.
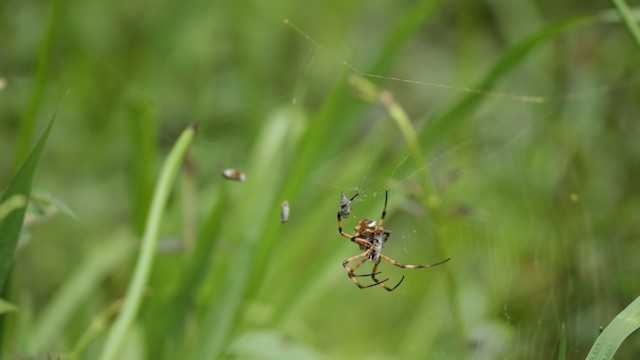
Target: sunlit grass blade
(20,185)
(625,323)
(133,298)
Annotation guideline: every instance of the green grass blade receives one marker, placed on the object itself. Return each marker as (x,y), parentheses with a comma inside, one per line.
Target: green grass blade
(562,350)
(629,21)
(37,91)
(13,203)
(614,334)
(133,298)
(20,185)
(372,93)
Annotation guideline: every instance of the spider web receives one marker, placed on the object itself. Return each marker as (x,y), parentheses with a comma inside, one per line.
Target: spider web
(500,299)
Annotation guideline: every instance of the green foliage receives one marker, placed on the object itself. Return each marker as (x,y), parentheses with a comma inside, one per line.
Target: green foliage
(11,223)
(624,324)
(505,132)
(629,20)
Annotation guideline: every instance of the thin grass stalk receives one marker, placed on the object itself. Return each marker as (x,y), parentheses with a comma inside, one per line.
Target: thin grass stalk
(133,298)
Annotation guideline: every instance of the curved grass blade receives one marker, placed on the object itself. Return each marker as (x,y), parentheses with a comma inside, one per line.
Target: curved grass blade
(13,203)
(20,185)
(616,332)
(133,298)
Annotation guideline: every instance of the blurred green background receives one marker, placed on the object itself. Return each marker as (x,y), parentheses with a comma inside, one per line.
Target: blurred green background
(534,199)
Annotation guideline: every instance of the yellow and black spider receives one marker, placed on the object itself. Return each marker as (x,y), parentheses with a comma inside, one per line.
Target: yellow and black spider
(371,237)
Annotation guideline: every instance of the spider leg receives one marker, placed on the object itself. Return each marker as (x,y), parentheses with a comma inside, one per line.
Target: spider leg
(354,196)
(352,276)
(408,266)
(355,239)
(353,269)
(384,210)
(373,276)
(365,275)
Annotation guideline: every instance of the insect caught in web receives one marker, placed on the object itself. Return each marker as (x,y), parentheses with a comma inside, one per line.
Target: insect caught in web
(233,174)
(371,238)
(284,212)
(345,204)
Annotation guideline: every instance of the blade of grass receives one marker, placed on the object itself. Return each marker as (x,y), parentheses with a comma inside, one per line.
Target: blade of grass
(13,203)
(372,93)
(628,19)
(20,185)
(37,91)
(626,322)
(562,350)
(133,298)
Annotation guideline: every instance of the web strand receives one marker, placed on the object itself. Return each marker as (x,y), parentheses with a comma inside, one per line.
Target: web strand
(533,99)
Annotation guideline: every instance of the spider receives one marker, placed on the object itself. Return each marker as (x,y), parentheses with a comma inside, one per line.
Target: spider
(371,237)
